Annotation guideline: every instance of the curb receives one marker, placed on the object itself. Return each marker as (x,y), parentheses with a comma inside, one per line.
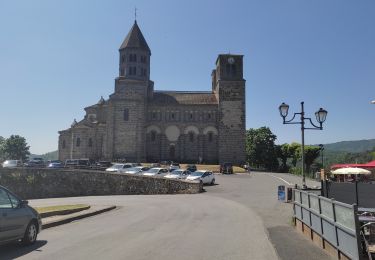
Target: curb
(70,219)
(62,212)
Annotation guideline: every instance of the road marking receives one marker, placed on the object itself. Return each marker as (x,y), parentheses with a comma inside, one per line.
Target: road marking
(280,179)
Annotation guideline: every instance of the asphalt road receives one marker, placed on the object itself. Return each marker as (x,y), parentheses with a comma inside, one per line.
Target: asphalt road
(239,218)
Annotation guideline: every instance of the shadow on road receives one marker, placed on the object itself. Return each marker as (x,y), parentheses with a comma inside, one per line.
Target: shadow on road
(14,250)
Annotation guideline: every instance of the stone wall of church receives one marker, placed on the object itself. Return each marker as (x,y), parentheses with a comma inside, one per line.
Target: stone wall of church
(232,128)
(182,133)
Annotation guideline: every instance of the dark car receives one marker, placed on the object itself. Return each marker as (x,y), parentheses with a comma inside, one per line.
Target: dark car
(35,162)
(226,168)
(18,221)
(77,163)
(191,167)
(101,165)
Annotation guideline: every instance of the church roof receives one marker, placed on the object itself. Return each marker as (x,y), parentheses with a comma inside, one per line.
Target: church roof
(184,98)
(135,39)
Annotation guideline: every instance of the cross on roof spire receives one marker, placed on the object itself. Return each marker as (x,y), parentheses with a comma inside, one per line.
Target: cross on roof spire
(135,13)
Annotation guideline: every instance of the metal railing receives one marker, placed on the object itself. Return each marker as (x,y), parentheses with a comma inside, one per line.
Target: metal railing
(335,222)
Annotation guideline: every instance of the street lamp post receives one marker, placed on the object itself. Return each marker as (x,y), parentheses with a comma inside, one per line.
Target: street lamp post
(320,115)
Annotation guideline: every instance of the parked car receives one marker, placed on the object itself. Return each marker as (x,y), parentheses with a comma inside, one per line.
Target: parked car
(191,167)
(35,162)
(165,163)
(174,166)
(55,164)
(178,174)
(18,221)
(154,165)
(119,166)
(101,165)
(156,172)
(206,177)
(135,170)
(226,168)
(77,163)
(11,163)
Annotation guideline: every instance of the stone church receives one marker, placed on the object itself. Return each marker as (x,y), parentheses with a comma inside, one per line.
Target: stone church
(140,124)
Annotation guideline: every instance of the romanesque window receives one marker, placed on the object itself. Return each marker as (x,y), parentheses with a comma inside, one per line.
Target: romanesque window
(143,59)
(122,58)
(90,142)
(63,144)
(132,70)
(191,116)
(122,72)
(133,57)
(231,69)
(209,116)
(153,136)
(210,137)
(172,116)
(78,142)
(126,114)
(191,136)
(154,115)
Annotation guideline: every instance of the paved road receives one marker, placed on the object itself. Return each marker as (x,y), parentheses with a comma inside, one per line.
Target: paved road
(239,218)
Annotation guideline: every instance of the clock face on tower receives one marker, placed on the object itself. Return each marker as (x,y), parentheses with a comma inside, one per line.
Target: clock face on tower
(231,60)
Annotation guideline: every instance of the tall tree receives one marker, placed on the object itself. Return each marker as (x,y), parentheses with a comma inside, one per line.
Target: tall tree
(284,152)
(311,153)
(260,148)
(295,150)
(15,147)
(2,155)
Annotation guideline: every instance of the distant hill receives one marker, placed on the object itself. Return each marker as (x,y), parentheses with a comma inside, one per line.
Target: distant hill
(47,156)
(351,146)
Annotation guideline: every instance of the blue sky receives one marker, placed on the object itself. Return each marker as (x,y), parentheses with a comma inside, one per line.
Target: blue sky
(57,57)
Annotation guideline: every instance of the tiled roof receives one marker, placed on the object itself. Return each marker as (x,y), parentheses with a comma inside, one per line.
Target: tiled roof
(135,39)
(184,98)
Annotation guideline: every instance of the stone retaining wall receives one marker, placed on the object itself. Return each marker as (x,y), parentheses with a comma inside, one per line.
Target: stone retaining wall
(52,183)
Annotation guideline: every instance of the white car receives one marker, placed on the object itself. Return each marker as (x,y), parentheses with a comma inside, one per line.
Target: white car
(206,177)
(156,172)
(118,166)
(174,166)
(11,163)
(178,174)
(134,170)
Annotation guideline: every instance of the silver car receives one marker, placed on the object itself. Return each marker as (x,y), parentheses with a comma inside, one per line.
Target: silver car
(18,221)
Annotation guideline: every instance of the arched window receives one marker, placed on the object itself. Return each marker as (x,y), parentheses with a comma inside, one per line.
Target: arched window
(90,142)
(191,136)
(132,70)
(126,114)
(210,137)
(78,142)
(63,144)
(153,136)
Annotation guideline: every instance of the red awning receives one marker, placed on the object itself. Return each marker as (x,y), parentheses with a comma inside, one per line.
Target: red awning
(370,164)
(358,165)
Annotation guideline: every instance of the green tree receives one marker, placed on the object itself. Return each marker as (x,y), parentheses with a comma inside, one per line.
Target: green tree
(295,150)
(2,155)
(260,148)
(311,153)
(284,153)
(15,147)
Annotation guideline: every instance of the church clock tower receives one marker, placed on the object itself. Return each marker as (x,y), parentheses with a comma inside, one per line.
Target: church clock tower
(229,87)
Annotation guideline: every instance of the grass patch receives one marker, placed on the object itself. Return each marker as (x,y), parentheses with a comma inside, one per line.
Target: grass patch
(59,208)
